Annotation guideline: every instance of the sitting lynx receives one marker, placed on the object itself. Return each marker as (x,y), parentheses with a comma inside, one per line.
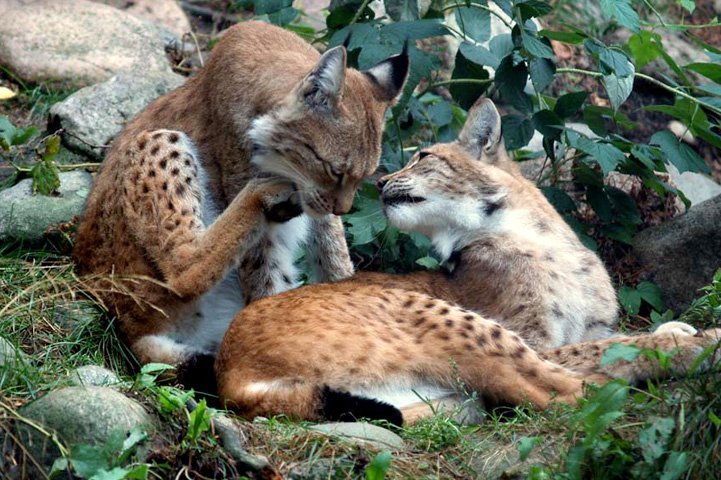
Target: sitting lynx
(365,347)
(172,211)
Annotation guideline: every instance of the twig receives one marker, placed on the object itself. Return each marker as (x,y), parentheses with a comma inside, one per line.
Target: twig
(358,12)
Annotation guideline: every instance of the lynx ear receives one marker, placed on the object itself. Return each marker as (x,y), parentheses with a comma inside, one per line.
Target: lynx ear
(390,75)
(324,84)
(482,132)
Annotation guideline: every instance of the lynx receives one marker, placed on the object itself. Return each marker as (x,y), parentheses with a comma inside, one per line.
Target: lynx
(203,179)
(524,312)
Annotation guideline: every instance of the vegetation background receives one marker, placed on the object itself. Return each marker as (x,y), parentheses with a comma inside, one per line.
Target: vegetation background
(602,64)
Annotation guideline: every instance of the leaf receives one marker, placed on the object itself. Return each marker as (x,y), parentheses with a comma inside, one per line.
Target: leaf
(548,123)
(467,94)
(474,22)
(645,46)
(622,11)
(46,177)
(615,62)
(117,473)
(605,154)
(479,55)
(651,294)
(199,421)
(441,113)
(511,82)
(535,46)
(559,199)
(526,445)
(87,460)
(6,93)
(677,152)
(138,473)
(689,5)
(618,88)
(517,131)
(654,438)
(400,10)
(630,299)
(564,37)
(570,103)
(428,262)
(52,147)
(542,71)
(619,351)
(378,468)
(708,70)
(136,437)
(533,8)
(156,368)
(675,466)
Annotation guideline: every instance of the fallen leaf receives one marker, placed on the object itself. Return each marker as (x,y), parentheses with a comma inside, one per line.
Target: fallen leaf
(6,93)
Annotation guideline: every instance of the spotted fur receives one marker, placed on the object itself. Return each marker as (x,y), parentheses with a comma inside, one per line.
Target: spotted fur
(198,183)
(505,321)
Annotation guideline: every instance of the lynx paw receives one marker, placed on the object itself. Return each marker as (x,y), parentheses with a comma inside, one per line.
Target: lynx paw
(676,328)
(279,199)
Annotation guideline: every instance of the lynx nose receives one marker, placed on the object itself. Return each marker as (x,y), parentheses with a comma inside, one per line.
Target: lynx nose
(381,183)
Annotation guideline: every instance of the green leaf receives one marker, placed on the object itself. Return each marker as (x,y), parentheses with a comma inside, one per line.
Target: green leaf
(605,154)
(618,88)
(378,468)
(526,445)
(630,299)
(10,136)
(708,70)
(689,5)
(615,62)
(573,38)
(533,8)
(654,438)
(479,55)
(676,465)
(156,368)
(466,94)
(511,81)
(441,113)
(87,460)
(138,473)
(570,103)
(645,47)
(619,351)
(542,71)
(400,10)
(622,11)
(714,419)
(474,22)
(651,294)
(559,199)
(428,263)
(677,152)
(598,200)
(117,473)
(548,123)
(199,421)
(46,177)
(535,46)
(517,131)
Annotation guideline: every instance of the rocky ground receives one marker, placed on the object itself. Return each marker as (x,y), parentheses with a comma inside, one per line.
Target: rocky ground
(68,389)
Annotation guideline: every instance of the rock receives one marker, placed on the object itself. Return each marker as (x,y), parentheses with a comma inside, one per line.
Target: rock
(501,459)
(682,254)
(80,415)
(75,313)
(696,186)
(362,433)
(92,116)
(163,12)
(234,440)
(25,216)
(79,42)
(93,376)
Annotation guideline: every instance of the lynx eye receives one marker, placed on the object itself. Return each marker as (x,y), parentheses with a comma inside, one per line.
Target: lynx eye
(334,174)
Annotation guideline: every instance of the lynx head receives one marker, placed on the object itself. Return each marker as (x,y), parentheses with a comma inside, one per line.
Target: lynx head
(326,134)
(453,191)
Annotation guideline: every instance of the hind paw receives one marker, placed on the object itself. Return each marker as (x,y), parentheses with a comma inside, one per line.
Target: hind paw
(676,328)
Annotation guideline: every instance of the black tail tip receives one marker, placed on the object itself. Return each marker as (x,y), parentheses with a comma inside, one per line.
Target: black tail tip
(341,406)
(198,373)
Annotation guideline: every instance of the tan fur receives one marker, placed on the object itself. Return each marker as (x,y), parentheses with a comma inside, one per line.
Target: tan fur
(512,259)
(319,128)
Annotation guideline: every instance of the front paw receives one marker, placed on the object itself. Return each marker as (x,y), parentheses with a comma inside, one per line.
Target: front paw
(283,210)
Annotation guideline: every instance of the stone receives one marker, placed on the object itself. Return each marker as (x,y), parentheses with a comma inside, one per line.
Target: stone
(91,117)
(234,442)
(79,42)
(696,186)
(362,433)
(93,376)
(80,415)
(26,216)
(681,255)
(164,12)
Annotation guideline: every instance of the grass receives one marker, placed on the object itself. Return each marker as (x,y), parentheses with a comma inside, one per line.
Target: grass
(46,315)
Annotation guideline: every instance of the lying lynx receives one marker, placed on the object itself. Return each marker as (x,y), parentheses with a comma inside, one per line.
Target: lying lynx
(365,347)
(172,211)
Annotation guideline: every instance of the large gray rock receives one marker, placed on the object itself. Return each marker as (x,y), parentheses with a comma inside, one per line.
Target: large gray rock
(682,254)
(93,116)
(80,415)
(361,433)
(25,216)
(80,42)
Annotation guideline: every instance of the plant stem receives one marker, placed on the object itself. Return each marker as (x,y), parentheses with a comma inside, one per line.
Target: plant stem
(359,12)
(475,81)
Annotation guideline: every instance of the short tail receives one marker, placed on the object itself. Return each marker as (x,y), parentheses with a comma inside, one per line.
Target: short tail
(342,406)
(198,373)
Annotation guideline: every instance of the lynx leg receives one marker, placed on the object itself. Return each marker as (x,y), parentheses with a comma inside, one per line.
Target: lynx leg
(675,339)
(328,249)
(163,195)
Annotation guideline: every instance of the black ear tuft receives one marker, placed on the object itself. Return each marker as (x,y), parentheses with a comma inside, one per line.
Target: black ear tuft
(390,75)
(346,42)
